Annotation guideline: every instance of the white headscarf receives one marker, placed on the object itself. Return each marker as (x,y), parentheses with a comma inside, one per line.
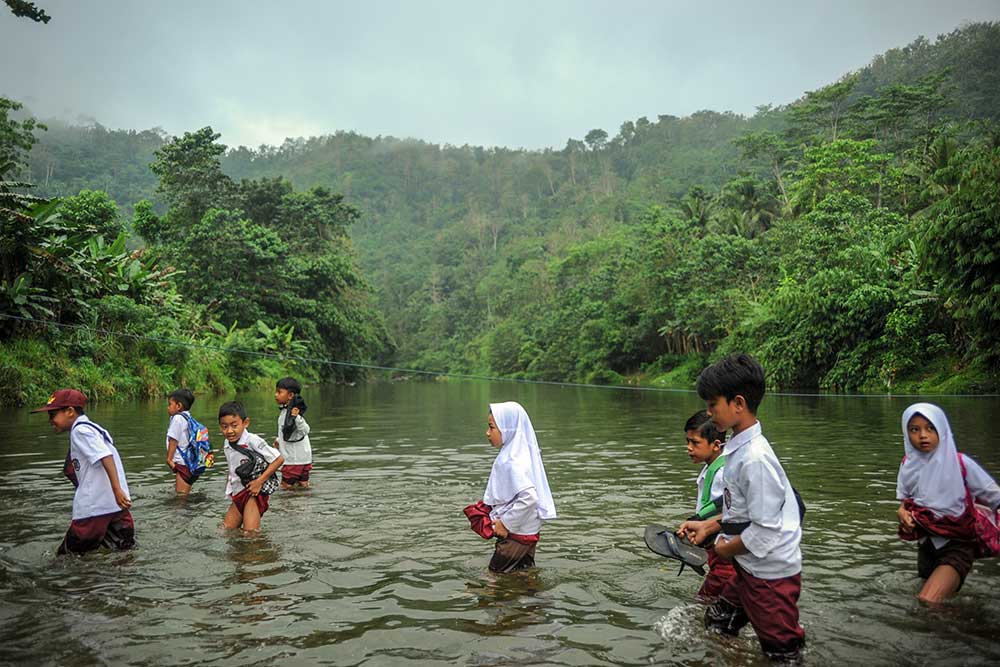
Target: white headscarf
(933,480)
(519,463)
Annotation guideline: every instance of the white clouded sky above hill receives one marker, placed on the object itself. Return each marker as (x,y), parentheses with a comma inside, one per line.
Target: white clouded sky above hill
(516,74)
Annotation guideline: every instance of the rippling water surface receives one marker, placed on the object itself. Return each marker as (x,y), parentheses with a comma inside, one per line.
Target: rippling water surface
(376,564)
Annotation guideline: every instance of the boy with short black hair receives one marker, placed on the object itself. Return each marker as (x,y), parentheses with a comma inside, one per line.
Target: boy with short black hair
(178,437)
(244,451)
(293,434)
(761,525)
(101,515)
(704,445)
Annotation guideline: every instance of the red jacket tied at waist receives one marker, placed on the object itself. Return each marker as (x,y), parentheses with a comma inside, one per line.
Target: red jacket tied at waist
(482,524)
(955,527)
(479,518)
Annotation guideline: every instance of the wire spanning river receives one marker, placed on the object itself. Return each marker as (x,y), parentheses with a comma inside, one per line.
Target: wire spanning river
(376,564)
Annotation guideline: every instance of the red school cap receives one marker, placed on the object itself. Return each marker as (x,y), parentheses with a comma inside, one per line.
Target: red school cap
(64,398)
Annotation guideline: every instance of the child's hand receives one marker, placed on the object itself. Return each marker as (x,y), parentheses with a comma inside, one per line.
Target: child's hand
(122,499)
(906,518)
(499,529)
(255,486)
(696,532)
(295,412)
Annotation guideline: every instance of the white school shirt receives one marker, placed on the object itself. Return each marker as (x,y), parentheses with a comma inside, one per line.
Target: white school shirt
(178,430)
(757,490)
(718,484)
(235,457)
(87,446)
(520,515)
(297,453)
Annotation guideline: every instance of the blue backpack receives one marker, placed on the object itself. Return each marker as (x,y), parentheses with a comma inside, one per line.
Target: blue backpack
(198,454)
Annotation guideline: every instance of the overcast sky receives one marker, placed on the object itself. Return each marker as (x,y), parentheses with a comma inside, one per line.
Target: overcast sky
(517,74)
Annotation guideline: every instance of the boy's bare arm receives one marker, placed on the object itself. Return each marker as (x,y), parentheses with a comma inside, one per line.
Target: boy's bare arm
(256,485)
(120,496)
(171,448)
(727,547)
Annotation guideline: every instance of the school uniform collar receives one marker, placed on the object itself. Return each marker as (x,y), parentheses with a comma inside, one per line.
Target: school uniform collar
(742,438)
(79,419)
(244,440)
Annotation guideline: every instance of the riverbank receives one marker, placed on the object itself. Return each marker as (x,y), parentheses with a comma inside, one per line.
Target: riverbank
(30,369)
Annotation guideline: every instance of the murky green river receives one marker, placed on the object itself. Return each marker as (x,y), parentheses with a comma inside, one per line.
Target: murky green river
(376,564)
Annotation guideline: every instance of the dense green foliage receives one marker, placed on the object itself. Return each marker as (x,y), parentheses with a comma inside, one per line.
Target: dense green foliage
(848,239)
(277,261)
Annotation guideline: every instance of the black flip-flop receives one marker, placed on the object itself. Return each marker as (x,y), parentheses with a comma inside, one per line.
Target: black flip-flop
(662,540)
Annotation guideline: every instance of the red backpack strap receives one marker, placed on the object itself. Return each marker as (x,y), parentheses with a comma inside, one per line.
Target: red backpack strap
(969,502)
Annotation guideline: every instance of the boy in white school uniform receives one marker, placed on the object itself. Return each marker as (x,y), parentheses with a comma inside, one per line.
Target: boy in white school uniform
(178,434)
(761,524)
(101,515)
(293,434)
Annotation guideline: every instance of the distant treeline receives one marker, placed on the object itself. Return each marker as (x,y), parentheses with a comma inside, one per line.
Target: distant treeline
(847,239)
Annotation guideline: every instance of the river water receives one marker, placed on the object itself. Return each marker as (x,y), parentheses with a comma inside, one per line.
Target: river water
(376,564)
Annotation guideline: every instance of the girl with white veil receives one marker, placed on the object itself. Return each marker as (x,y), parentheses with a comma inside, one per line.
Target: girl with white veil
(937,485)
(517,492)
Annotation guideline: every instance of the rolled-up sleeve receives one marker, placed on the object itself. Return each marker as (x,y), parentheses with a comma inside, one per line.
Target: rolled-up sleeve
(765,504)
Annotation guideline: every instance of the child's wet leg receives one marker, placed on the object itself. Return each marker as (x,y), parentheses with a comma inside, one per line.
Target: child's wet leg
(233,518)
(180,486)
(251,515)
(943,583)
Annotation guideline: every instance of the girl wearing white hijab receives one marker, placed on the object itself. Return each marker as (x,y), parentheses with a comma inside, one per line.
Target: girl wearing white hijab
(932,488)
(518,490)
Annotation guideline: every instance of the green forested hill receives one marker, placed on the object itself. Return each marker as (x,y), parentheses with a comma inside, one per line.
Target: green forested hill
(816,235)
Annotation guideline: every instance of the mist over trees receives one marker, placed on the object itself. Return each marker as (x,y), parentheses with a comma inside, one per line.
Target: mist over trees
(848,239)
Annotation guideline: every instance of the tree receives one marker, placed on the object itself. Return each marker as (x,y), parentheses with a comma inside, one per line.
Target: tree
(16,138)
(768,148)
(596,139)
(191,179)
(961,245)
(820,112)
(25,9)
(93,209)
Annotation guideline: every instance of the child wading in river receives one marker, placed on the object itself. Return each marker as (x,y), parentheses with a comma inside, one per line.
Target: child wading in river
(293,434)
(252,465)
(101,515)
(704,446)
(517,496)
(178,435)
(761,524)
(938,487)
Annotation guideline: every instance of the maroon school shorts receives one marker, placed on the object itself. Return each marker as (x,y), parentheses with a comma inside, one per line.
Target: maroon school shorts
(772,607)
(720,571)
(115,531)
(185,473)
(240,500)
(291,474)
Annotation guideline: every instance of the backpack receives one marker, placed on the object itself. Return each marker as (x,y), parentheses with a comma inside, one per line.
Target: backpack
(253,467)
(198,454)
